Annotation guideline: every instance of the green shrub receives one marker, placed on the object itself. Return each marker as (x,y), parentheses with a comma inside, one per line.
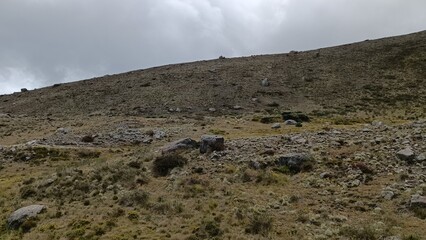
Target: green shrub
(362,233)
(260,223)
(134,198)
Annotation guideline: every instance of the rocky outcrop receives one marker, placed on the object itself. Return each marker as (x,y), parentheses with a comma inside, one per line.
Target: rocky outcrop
(19,216)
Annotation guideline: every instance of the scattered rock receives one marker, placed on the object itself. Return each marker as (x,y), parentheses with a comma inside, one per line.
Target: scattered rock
(179,145)
(276,126)
(265,83)
(406,154)
(290,122)
(19,216)
(63,130)
(388,194)
(237,107)
(24,90)
(212,143)
(212,109)
(296,162)
(158,134)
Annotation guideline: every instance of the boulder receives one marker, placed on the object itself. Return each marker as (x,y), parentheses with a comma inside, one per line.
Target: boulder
(276,126)
(421,157)
(296,162)
(212,143)
(19,216)
(406,154)
(179,145)
(290,122)
(418,201)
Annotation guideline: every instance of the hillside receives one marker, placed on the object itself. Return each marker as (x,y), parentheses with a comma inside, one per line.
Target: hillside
(332,148)
(367,76)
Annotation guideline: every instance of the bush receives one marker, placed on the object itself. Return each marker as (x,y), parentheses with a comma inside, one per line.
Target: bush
(260,224)
(163,164)
(134,198)
(363,233)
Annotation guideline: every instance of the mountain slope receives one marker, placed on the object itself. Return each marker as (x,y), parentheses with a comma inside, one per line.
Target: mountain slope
(381,74)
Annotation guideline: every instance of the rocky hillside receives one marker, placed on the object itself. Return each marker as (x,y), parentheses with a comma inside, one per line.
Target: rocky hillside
(374,75)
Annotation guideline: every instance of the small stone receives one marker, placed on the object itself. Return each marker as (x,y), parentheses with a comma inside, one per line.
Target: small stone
(265,83)
(237,107)
(388,194)
(212,109)
(325,175)
(290,122)
(63,130)
(406,154)
(276,126)
(355,183)
(158,134)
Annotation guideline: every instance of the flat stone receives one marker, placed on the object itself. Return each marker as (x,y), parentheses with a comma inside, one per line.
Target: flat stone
(181,144)
(406,154)
(276,126)
(19,216)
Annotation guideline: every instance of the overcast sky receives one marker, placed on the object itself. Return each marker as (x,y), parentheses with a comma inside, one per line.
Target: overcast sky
(43,42)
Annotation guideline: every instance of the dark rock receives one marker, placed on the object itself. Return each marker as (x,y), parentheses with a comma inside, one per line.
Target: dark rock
(418,201)
(212,143)
(19,216)
(296,162)
(24,90)
(296,116)
(179,145)
(406,154)
(88,139)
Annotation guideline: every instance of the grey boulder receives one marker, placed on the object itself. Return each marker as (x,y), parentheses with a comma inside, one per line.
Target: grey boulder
(406,154)
(19,216)
(179,145)
(296,162)
(212,143)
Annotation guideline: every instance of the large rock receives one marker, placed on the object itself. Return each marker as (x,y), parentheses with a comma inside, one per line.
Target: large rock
(19,216)
(212,143)
(406,154)
(418,201)
(179,145)
(296,162)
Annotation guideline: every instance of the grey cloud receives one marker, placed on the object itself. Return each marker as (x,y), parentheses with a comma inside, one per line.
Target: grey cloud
(45,41)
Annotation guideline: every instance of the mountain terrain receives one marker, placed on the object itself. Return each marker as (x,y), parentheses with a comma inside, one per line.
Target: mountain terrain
(321,144)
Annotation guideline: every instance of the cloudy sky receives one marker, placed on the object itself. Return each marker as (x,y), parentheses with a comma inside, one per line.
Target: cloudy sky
(51,41)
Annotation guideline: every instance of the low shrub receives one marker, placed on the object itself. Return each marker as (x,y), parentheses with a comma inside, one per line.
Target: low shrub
(162,165)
